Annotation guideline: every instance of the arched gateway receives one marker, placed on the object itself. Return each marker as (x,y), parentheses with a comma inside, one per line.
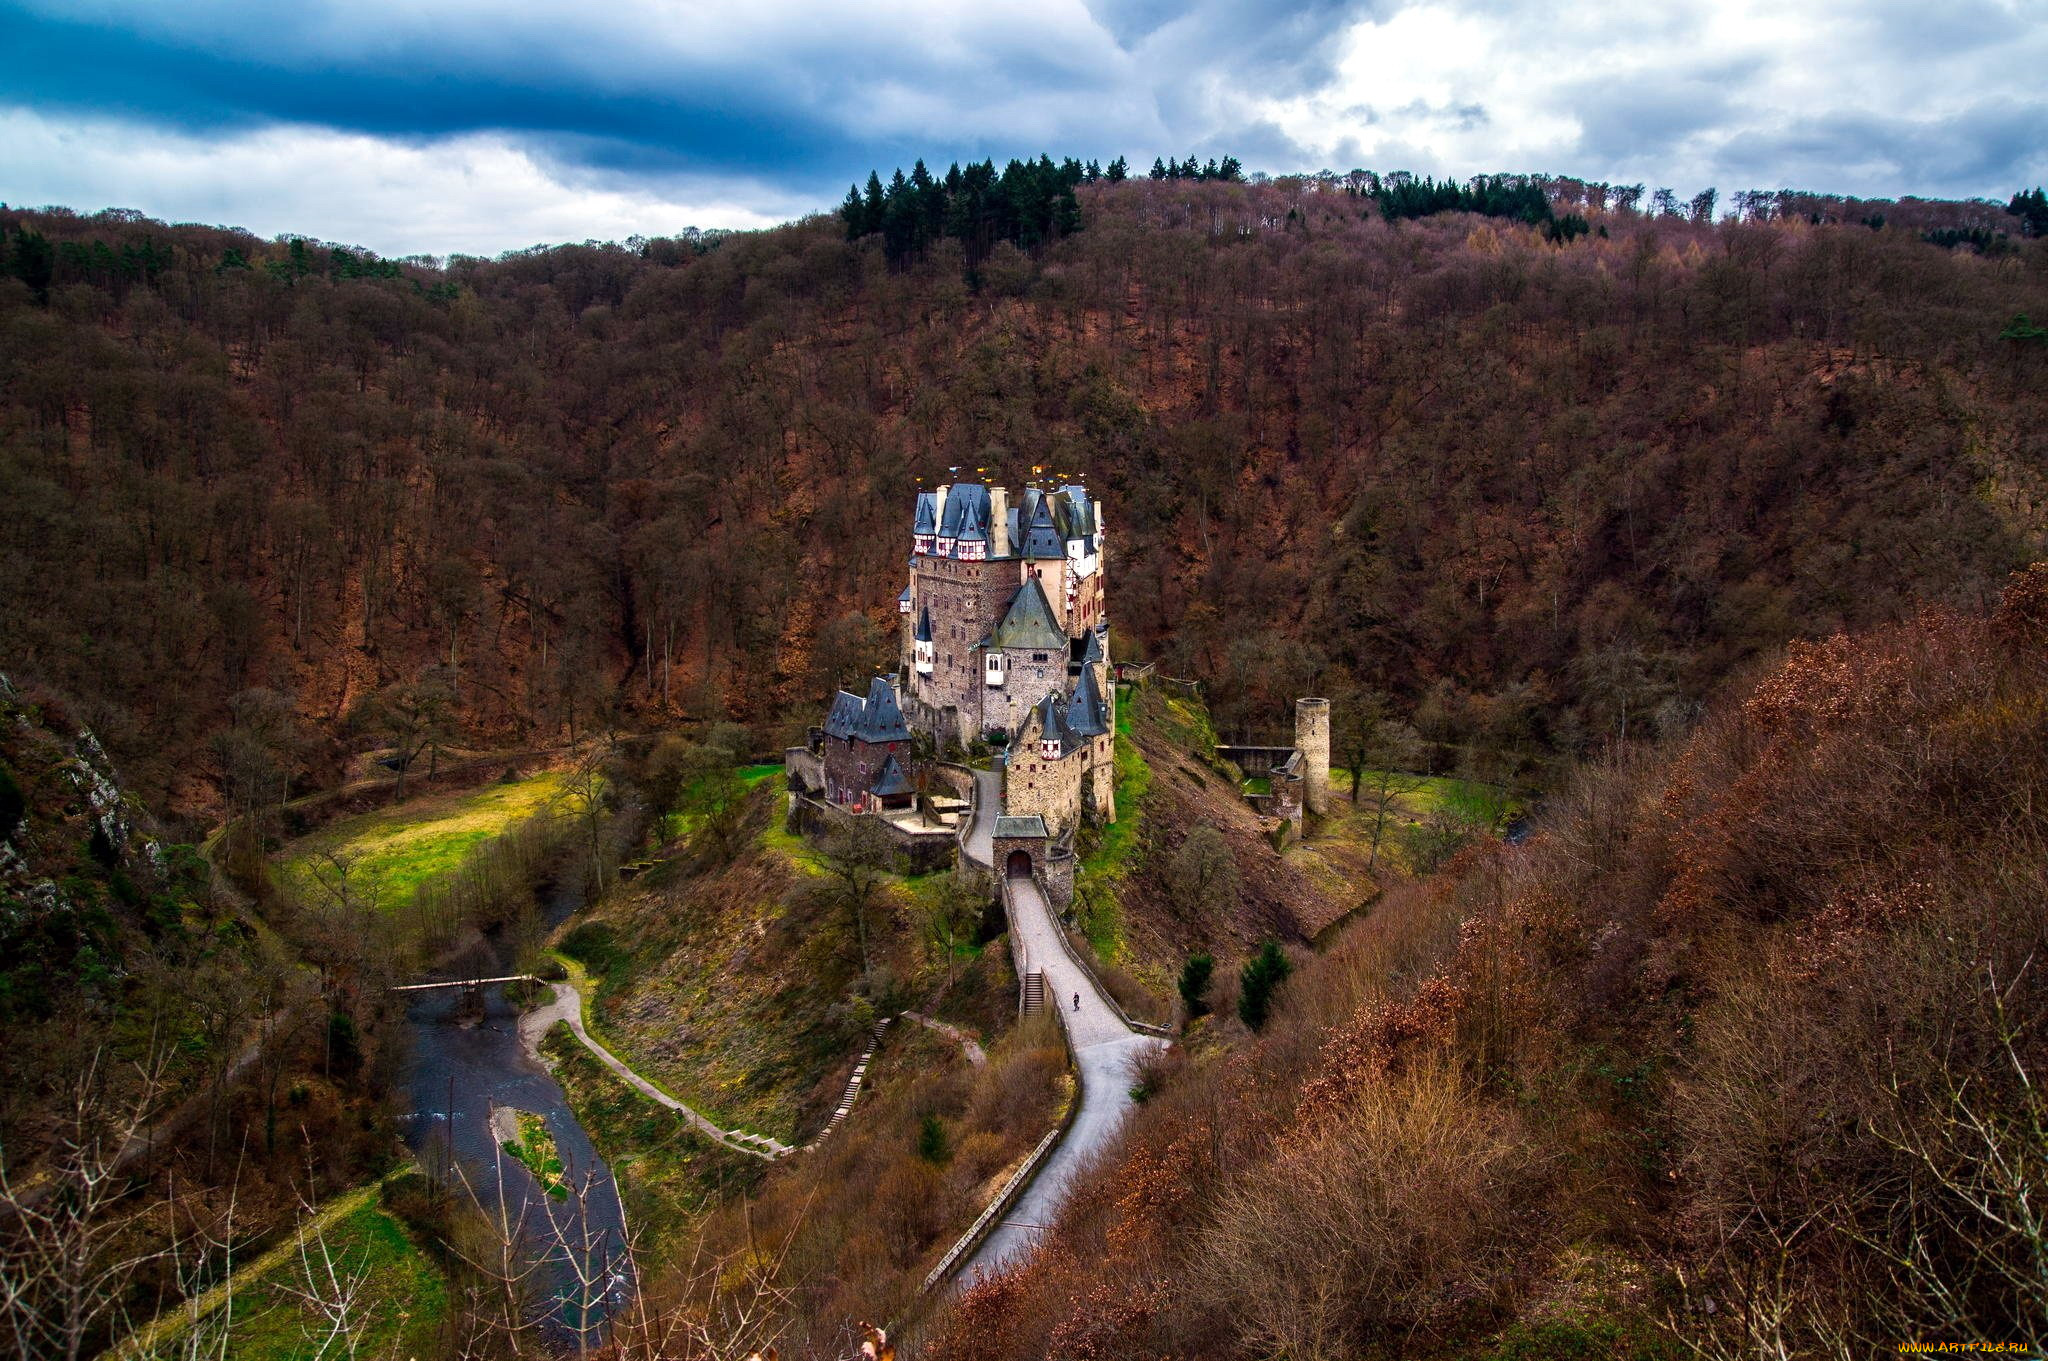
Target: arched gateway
(1019,865)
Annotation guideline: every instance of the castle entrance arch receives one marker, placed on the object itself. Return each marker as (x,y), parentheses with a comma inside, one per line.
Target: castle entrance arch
(1019,865)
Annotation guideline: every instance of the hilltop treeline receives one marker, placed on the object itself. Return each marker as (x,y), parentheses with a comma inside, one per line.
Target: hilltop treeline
(1537,494)
(1028,204)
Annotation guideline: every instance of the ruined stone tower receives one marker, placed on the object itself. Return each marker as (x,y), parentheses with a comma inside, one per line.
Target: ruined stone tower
(1312,737)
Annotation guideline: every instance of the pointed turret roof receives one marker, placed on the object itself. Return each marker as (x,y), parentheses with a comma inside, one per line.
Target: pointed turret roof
(1041,536)
(973,524)
(1087,715)
(923,632)
(1029,622)
(890,780)
(966,503)
(927,513)
(1055,723)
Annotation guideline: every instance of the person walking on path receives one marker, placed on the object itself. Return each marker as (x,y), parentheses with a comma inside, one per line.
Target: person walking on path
(1077,1001)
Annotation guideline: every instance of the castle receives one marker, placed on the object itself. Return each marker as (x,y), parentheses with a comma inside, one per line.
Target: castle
(1004,642)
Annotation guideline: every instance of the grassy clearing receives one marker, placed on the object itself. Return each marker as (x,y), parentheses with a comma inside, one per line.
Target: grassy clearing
(677,826)
(668,1175)
(1486,805)
(721,992)
(777,837)
(401,1304)
(394,850)
(1427,811)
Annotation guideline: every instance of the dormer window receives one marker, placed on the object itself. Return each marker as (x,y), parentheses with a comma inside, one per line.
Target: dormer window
(994,672)
(1050,749)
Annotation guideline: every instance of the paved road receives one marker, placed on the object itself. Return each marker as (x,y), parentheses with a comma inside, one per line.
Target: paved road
(988,802)
(1104,1048)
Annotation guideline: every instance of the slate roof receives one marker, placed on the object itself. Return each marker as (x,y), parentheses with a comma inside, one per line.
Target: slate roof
(881,720)
(1073,512)
(1057,724)
(889,780)
(1031,824)
(923,632)
(1087,715)
(844,715)
(1041,537)
(927,513)
(1029,621)
(967,504)
(877,718)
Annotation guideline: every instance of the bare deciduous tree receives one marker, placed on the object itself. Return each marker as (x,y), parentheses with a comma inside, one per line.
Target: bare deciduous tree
(69,1249)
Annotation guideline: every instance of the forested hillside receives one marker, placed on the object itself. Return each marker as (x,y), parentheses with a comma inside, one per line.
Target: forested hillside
(1739,1056)
(1539,487)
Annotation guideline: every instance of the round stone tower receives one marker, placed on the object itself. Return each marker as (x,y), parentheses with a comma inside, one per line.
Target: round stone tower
(1312,736)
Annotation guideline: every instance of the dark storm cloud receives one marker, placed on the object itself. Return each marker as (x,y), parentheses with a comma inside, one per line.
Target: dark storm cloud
(1981,146)
(705,122)
(636,111)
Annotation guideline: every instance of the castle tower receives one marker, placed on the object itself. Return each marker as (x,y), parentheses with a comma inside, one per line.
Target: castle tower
(1312,737)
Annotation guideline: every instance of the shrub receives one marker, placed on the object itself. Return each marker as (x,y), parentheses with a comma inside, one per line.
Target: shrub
(595,946)
(1194,982)
(1202,876)
(12,806)
(1263,974)
(344,1043)
(931,1139)
(1361,1230)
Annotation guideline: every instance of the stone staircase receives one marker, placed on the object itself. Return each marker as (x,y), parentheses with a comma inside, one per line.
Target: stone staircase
(860,1072)
(1034,992)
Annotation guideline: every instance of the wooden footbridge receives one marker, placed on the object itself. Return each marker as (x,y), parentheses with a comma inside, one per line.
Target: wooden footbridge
(469,982)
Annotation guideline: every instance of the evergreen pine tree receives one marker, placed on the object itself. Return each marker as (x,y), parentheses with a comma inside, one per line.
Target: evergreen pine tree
(1263,974)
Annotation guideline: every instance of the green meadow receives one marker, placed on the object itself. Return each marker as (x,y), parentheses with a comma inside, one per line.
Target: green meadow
(392,851)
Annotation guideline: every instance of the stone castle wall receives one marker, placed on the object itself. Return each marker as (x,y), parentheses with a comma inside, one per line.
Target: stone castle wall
(851,767)
(1051,789)
(1100,785)
(956,594)
(1031,677)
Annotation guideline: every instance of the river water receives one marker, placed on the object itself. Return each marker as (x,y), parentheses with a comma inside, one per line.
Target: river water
(456,1073)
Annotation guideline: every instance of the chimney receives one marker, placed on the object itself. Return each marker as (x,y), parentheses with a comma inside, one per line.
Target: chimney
(939,508)
(999,522)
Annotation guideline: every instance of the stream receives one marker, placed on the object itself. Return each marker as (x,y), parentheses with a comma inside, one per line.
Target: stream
(455,1074)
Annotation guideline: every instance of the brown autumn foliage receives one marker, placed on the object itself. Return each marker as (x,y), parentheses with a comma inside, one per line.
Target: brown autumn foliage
(1540,492)
(866,1215)
(1742,1053)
